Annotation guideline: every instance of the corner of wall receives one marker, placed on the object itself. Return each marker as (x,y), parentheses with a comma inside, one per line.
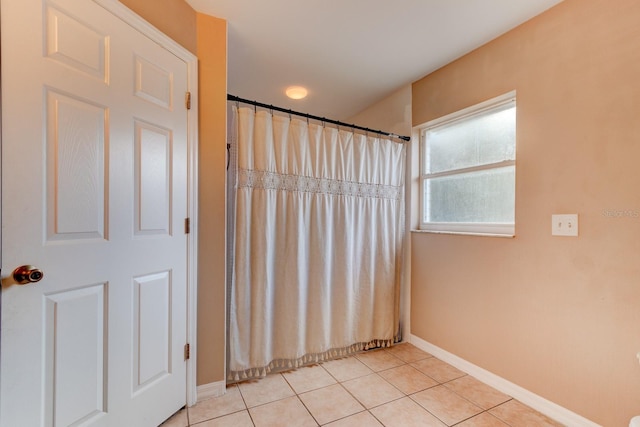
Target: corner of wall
(212,57)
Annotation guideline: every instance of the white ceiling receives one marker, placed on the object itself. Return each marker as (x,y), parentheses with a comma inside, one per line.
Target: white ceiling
(352,53)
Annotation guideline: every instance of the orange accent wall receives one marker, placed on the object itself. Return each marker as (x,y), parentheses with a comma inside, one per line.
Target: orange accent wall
(175,18)
(559,316)
(212,57)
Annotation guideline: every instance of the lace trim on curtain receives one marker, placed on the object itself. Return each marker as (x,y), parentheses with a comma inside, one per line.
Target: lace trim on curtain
(275,181)
(286,364)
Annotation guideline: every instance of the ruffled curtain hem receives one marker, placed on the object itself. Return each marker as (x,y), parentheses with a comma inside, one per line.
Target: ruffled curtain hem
(308,359)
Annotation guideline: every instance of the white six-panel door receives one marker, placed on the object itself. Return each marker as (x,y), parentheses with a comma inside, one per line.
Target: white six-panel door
(94,193)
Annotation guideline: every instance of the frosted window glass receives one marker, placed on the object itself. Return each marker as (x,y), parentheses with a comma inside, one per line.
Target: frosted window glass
(486,196)
(482,139)
(468,170)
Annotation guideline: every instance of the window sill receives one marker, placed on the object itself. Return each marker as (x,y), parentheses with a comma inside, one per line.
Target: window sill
(464,233)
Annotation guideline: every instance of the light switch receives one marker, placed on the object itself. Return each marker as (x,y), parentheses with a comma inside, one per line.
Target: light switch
(564,225)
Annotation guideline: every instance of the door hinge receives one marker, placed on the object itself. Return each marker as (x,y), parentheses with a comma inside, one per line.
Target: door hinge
(187,100)
(187,225)
(187,351)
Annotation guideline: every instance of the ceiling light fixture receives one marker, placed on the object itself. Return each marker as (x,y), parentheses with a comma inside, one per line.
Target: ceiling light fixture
(296,92)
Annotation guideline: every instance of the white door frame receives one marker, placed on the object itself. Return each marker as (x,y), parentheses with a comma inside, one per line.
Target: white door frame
(135,21)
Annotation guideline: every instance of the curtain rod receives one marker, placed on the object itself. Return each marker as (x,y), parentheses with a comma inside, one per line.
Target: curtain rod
(309,116)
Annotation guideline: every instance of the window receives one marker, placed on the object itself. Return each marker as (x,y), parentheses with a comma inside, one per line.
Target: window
(468,170)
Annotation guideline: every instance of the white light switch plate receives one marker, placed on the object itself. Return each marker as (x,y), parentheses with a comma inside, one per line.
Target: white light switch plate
(564,225)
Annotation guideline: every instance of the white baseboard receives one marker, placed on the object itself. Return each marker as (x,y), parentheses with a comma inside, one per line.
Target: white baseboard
(540,404)
(206,391)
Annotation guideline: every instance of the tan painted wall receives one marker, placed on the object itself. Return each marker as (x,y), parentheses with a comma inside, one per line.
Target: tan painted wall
(559,316)
(175,18)
(391,114)
(212,56)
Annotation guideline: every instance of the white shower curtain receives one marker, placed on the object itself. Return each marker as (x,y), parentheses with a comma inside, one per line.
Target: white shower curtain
(318,243)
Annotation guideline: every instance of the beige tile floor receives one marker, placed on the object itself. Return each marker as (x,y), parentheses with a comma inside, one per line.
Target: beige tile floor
(400,386)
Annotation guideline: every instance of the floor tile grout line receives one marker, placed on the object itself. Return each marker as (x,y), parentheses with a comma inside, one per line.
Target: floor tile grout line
(487,412)
(376,418)
(404,395)
(431,413)
(338,382)
(328,372)
(246,407)
(307,409)
(341,384)
(219,416)
(334,378)
(438,383)
(482,410)
(468,418)
(345,417)
(375,373)
(476,403)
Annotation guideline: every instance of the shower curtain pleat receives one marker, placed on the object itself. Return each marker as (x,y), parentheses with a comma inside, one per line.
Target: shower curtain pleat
(318,243)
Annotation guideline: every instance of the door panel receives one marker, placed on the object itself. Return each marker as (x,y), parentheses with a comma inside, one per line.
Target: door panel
(153,179)
(94,192)
(76,44)
(153,83)
(75,163)
(76,380)
(152,314)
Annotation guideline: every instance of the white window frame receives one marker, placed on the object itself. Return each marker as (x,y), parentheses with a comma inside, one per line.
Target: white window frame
(472,228)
